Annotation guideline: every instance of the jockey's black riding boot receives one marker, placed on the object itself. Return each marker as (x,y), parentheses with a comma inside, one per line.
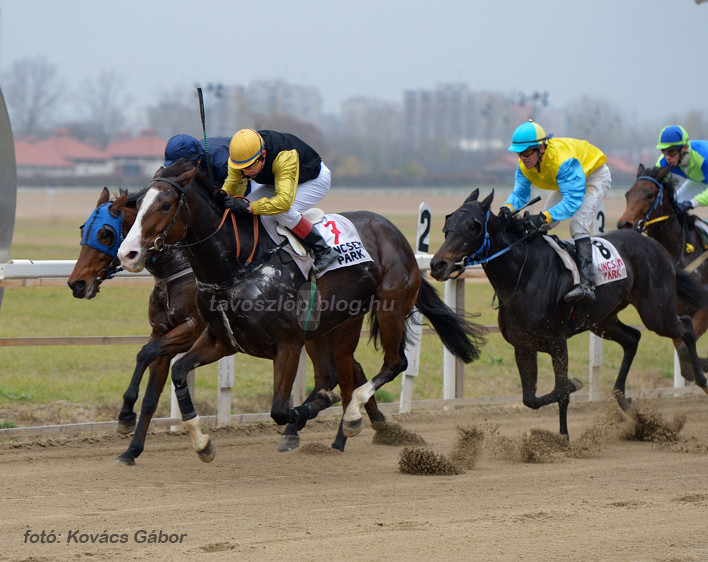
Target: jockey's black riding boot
(310,237)
(586,290)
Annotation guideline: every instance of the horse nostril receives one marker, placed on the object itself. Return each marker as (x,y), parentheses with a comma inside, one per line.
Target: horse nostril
(77,287)
(132,255)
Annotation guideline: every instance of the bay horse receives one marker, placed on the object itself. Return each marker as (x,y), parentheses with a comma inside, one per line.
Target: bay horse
(172,312)
(238,264)
(651,209)
(174,320)
(528,277)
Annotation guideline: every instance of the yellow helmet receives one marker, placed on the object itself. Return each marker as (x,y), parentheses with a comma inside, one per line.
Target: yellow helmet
(244,148)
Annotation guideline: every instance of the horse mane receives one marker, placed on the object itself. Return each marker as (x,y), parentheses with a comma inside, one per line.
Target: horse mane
(179,167)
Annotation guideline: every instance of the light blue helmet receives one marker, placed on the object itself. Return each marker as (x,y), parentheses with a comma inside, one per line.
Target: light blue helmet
(527,135)
(672,135)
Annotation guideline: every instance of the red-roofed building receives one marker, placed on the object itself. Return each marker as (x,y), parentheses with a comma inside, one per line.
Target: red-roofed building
(86,160)
(139,156)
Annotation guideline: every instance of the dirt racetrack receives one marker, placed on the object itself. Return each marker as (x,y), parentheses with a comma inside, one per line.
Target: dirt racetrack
(606,498)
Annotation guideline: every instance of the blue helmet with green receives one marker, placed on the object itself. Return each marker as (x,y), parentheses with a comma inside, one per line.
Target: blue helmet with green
(672,135)
(527,135)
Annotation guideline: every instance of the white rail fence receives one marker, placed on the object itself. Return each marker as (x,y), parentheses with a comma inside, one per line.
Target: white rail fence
(54,273)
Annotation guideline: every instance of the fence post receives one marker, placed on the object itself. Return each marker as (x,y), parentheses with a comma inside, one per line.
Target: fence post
(174,406)
(415,327)
(596,344)
(226,383)
(299,392)
(453,368)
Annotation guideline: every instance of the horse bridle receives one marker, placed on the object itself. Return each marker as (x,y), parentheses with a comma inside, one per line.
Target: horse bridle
(658,202)
(159,245)
(104,217)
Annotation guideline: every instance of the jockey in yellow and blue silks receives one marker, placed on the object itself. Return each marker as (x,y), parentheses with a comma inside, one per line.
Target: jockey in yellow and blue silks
(576,174)
(688,159)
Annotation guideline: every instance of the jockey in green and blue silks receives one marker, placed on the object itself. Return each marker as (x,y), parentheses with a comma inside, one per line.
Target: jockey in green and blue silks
(688,159)
(576,174)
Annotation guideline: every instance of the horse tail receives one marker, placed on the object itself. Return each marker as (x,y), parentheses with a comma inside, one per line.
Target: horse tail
(690,290)
(459,335)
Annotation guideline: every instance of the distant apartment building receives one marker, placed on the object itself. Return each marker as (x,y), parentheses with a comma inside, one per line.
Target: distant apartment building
(371,118)
(277,97)
(452,114)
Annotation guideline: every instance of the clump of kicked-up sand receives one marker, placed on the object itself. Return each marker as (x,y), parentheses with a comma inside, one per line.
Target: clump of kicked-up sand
(388,433)
(423,460)
(468,447)
(647,424)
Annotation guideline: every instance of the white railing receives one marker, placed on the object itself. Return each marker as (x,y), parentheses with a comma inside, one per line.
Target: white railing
(54,273)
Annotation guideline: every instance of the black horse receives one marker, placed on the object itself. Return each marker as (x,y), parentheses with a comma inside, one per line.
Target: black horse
(530,281)
(651,209)
(251,296)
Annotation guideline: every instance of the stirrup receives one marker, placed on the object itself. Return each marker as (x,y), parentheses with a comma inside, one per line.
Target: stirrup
(324,260)
(580,293)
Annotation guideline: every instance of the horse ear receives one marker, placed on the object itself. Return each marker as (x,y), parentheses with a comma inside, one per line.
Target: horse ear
(662,174)
(188,176)
(486,203)
(104,197)
(640,169)
(473,196)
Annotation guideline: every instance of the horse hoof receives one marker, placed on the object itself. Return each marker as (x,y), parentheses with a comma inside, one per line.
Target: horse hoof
(329,396)
(125,428)
(352,428)
(624,403)
(288,443)
(124,461)
(577,385)
(338,446)
(208,453)
(704,389)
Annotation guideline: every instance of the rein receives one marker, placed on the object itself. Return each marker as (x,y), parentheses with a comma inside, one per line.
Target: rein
(159,244)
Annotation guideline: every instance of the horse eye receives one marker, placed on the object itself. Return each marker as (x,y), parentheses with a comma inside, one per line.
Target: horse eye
(166,206)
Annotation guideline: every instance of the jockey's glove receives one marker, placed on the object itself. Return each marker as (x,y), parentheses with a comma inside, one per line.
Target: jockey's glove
(535,222)
(238,205)
(505,213)
(684,206)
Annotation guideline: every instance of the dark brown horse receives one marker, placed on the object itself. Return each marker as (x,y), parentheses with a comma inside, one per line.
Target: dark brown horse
(530,281)
(251,296)
(651,208)
(172,312)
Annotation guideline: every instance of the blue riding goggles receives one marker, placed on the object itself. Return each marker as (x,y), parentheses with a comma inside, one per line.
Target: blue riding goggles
(103,217)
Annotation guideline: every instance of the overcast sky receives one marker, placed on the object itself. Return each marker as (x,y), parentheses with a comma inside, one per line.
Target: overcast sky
(646,57)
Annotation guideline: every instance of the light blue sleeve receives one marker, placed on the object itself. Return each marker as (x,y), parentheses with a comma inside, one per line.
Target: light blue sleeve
(571,184)
(521,193)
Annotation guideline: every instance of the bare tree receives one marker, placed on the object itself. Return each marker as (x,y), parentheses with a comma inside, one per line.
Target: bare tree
(103,107)
(33,93)
(176,112)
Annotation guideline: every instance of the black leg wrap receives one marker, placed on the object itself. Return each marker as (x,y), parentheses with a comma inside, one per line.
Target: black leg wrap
(303,413)
(185,403)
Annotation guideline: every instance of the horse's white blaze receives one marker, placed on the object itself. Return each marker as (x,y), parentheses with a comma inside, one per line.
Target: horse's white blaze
(199,440)
(132,240)
(360,396)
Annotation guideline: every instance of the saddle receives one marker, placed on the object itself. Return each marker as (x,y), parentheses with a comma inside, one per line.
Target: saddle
(608,265)
(314,215)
